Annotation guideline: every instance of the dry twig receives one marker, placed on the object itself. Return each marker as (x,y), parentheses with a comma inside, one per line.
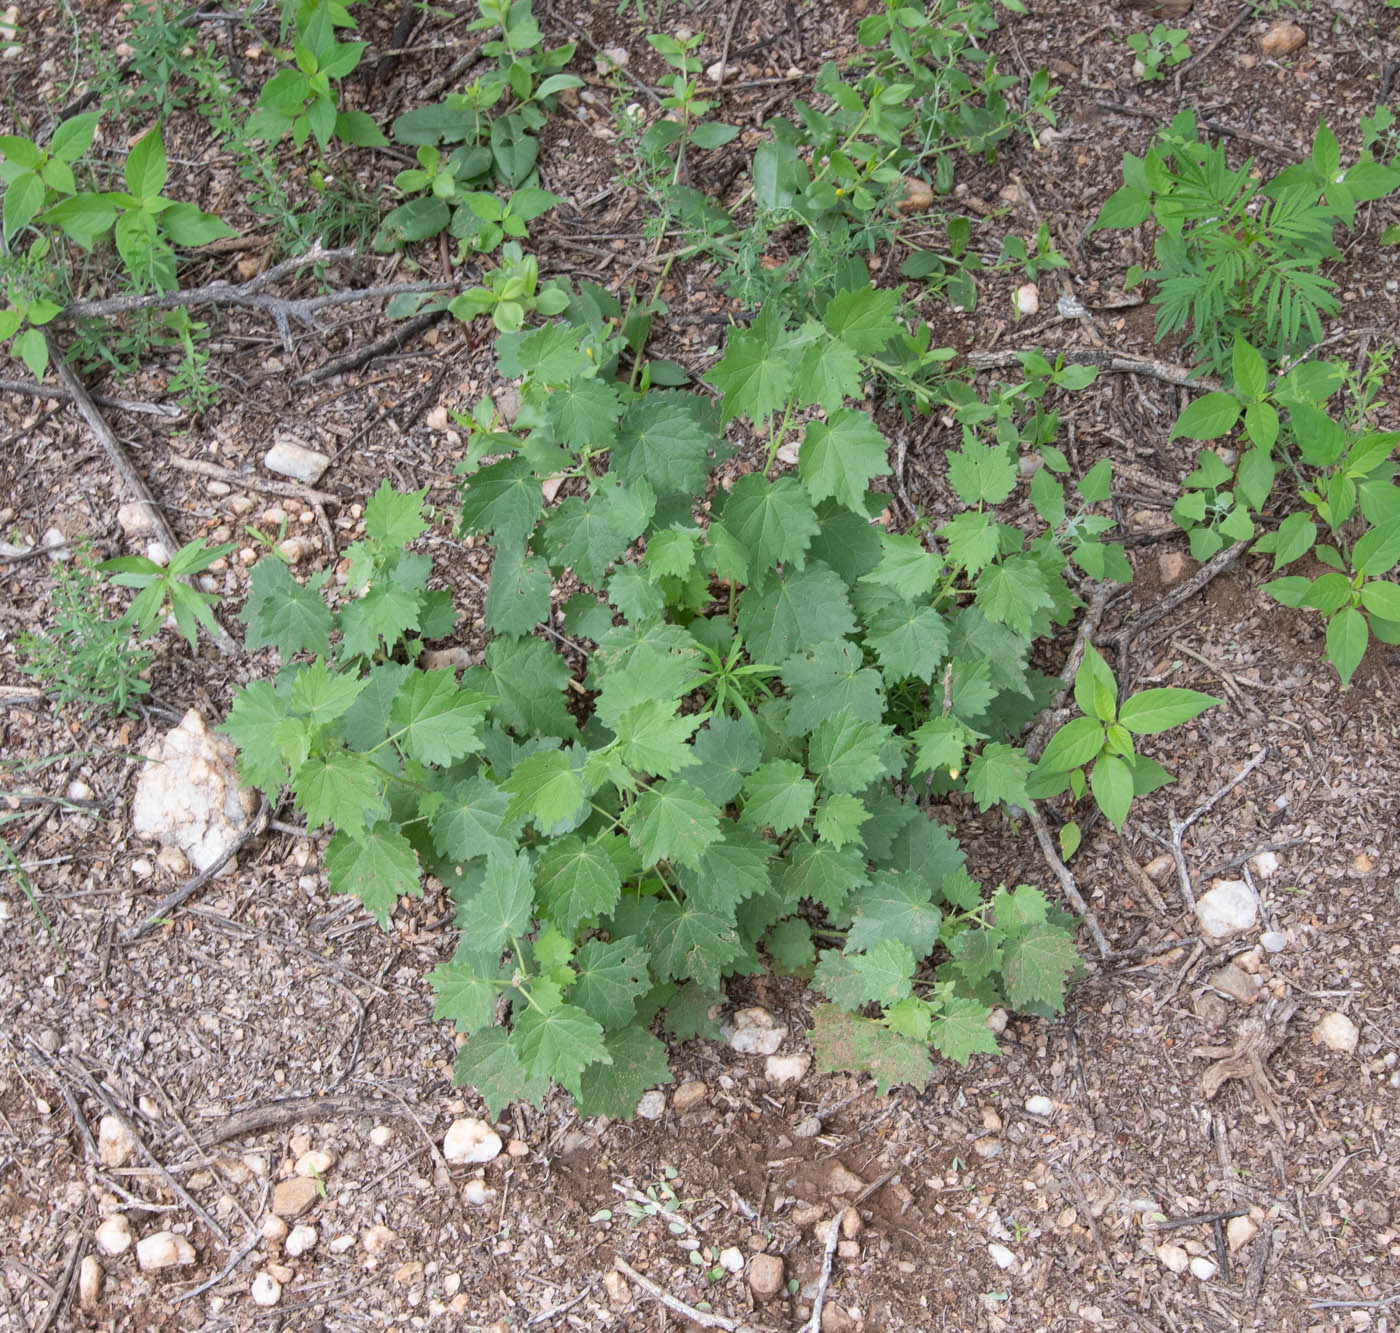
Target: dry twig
(702,1317)
(833,1234)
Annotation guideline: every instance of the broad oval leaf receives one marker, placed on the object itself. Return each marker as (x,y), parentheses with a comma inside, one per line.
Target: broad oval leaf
(1152,711)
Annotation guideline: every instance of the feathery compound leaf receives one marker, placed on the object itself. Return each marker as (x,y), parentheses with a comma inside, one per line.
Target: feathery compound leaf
(376,869)
(440,723)
(845,1042)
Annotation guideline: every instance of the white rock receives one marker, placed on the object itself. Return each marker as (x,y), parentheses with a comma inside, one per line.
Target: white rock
(1264,864)
(90,1277)
(189,797)
(115,1143)
(266,1290)
(376,1239)
(113,1237)
(381,1136)
(758,1041)
(135,519)
(719,72)
(1239,1231)
(1001,1256)
(1027,299)
(315,1163)
(1202,1268)
(342,1243)
(296,460)
(1173,1257)
(787,1068)
(688,1095)
(1275,941)
(1040,1106)
(274,1229)
(997,1021)
(158,553)
(613,56)
(732,1259)
(302,1241)
(163,1249)
(652,1105)
(1229,908)
(1336,1032)
(470,1141)
(475,1192)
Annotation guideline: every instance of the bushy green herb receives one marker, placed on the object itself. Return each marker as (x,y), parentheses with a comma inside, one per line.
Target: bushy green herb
(1237,256)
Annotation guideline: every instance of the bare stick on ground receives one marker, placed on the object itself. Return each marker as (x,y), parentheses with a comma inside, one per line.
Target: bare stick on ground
(36,390)
(192,886)
(1217,564)
(295,1110)
(64,1286)
(702,1317)
(290,490)
(116,454)
(1067,884)
(833,1234)
(1120,363)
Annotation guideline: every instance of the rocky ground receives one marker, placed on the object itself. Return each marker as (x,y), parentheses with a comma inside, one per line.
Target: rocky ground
(243,1116)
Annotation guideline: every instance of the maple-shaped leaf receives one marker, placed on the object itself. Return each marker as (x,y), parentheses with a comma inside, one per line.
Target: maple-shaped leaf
(1013,593)
(671,552)
(467,988)
(958,889)
(972,540)
(376,868)
(577,882)
(906,566)
(382,616)
(924,850)
(584,412)
(638,1062)
(653,737)
(863,318)
(393,517)
(847,542)
(755,375)
(828,678)
(546,787)
(845,1042)
(437,722)
(283,614)
(471,821)
(846,751)
(724,555)
(610,977)
(688,1012)
(981,474)
(635,595)
(839,818)
(673,821)
(666,439)
(880,975)
(488,1062)
(959,1029)
(500,911)
(580,535)
(789,944)
(321,695)
(339,788)
(527,679)
(503,498)
(1036,963)
(728,750)
(253,724)
(365,724)
(823,873)
(894,906)
(791,609)
(998,774)
(840,456)
(559,1043)
(688,942)
(778,795)
(518,596)
(909,640)
(1015,909)
(731,870)
(941,742)
(773,520)
(828,373)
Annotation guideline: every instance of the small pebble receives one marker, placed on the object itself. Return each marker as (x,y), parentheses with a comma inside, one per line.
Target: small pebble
(782,1069)
(475,1192)
(1173,1257)
(90,1276)
(731,1259)
(381,1136)
(377,1239)
(315,1163)
(295,460)
(1227,909)
(1336,1032)
(115,1143)
(652,1105)
(470,1141)
(274,1229)
(1239,1231)
(267,1291)
(1001,1256)
(163,1249)
(765,1275)
(301,1241)
(1042,1106)
(1203,1269)
(114,1235)
(689,1095)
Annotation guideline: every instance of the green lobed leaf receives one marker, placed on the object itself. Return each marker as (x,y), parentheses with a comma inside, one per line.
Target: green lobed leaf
(501,910)
(489,1063)
(665,439)
(845,1042)
(846,752)
(610,977)
(840,457)
(283,614)
(959,1029)
(438,722)
(637,1061)
(377,869)
(998,774)
(338,788)
(828,678)
(577,883)
(790,610)
(773,520)
(559,1044)
(673,821)
(471,821)
(686,941)
(467,988)
(881,975)
(839,819)
(545,786)
(1036,965)
(778,795)
(894,906)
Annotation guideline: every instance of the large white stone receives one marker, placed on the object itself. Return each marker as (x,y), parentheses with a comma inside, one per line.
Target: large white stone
(163,1249)
(188,796)
(296,460)
(1336,1032)
(470,1141)
(1229,908)
(115,1143)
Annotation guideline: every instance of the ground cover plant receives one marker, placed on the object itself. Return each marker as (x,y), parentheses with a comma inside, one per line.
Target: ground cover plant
(766,583)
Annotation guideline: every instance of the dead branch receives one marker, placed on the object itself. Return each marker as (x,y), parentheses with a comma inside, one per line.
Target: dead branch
(33,389)
(832,1235)
(702,1317)
(1217,564)
(1119,363)
(291,490)
(123,465)
(390,342)
(1067,884)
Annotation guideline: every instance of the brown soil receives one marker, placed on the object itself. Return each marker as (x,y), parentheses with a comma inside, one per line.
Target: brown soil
(264,988)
